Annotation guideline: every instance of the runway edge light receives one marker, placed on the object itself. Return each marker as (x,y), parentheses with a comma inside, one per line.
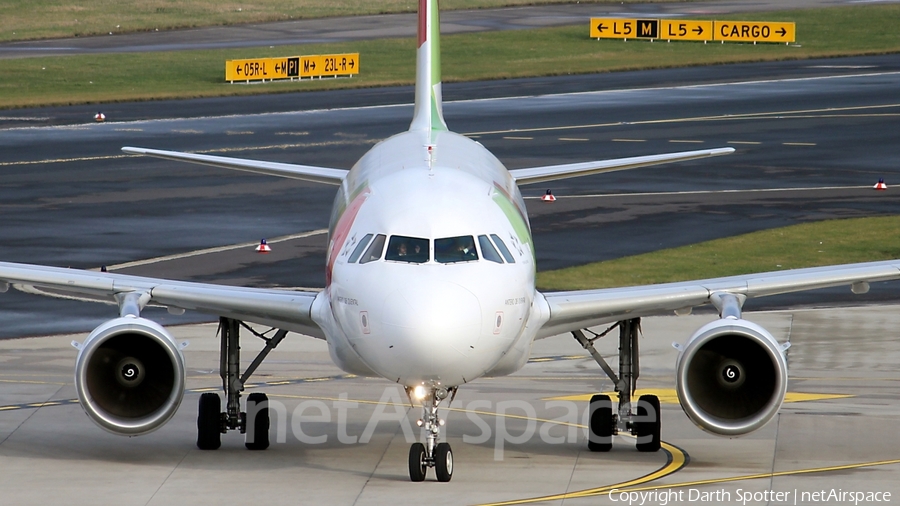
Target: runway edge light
(263,247)
(880,184)
(548,197)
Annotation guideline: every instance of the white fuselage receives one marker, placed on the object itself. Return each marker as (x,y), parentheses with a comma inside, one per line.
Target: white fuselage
(430,314)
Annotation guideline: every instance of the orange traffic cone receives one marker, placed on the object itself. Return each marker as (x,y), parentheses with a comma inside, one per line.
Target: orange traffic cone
(548,197)
(880,185)
(99,117)
(263,247)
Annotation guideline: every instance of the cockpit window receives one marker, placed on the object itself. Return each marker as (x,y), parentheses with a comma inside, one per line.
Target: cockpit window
(455,249)
(503,249)
(487,250)
(407,249)
(374,251)
(359,248)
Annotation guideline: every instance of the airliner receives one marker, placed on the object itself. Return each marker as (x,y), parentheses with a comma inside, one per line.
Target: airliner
(430,284)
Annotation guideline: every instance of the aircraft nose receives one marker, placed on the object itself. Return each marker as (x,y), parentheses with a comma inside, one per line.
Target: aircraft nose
(433,327)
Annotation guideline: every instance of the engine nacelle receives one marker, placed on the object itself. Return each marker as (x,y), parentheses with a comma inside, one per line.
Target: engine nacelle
(731,377)
(130,376)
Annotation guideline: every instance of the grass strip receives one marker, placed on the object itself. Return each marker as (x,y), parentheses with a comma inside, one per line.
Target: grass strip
(42,19)
(816,244)
(828,32)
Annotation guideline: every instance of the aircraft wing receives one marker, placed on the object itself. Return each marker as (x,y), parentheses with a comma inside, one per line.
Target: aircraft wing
(553,172)
(305,172)
(580,309)
(289,310)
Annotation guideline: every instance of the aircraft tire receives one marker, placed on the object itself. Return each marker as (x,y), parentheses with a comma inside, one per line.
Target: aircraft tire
(417,464)
(260,429)
(209,431)
(648,428)
(443,462)
(601,424)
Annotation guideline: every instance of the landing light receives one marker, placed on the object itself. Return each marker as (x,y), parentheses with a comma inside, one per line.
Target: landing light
(419,392)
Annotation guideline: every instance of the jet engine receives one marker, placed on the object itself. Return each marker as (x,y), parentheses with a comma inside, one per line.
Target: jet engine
(130,376)
(731,377)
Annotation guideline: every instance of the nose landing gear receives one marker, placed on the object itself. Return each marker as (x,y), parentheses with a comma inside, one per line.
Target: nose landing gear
(431,453)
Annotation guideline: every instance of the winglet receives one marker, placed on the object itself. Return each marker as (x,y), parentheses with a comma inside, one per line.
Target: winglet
(429,113)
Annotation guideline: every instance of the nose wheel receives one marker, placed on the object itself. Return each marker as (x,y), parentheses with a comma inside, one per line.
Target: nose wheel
(443,462)
(431,453)
(418,462)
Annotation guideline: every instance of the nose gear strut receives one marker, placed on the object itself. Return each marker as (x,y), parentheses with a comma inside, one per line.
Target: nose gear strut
(431,453)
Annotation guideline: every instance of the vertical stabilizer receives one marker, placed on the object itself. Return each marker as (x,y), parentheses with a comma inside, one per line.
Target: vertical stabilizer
(429,113)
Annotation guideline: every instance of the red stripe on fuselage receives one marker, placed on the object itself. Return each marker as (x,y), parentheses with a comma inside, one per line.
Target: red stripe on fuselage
(423,12)
(342,230)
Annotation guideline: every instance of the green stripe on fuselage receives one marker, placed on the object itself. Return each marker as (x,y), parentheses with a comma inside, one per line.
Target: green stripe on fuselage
(514,215)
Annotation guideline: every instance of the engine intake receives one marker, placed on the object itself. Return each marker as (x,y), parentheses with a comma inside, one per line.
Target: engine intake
(129,375)
(731,377)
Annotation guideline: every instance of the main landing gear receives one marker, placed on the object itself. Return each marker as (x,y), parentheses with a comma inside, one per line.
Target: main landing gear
(644,422)
(431,454)
(211,421)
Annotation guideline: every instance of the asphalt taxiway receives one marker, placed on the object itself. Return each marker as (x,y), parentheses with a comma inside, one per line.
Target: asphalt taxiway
(812,137)
(819,132)
(516,440)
